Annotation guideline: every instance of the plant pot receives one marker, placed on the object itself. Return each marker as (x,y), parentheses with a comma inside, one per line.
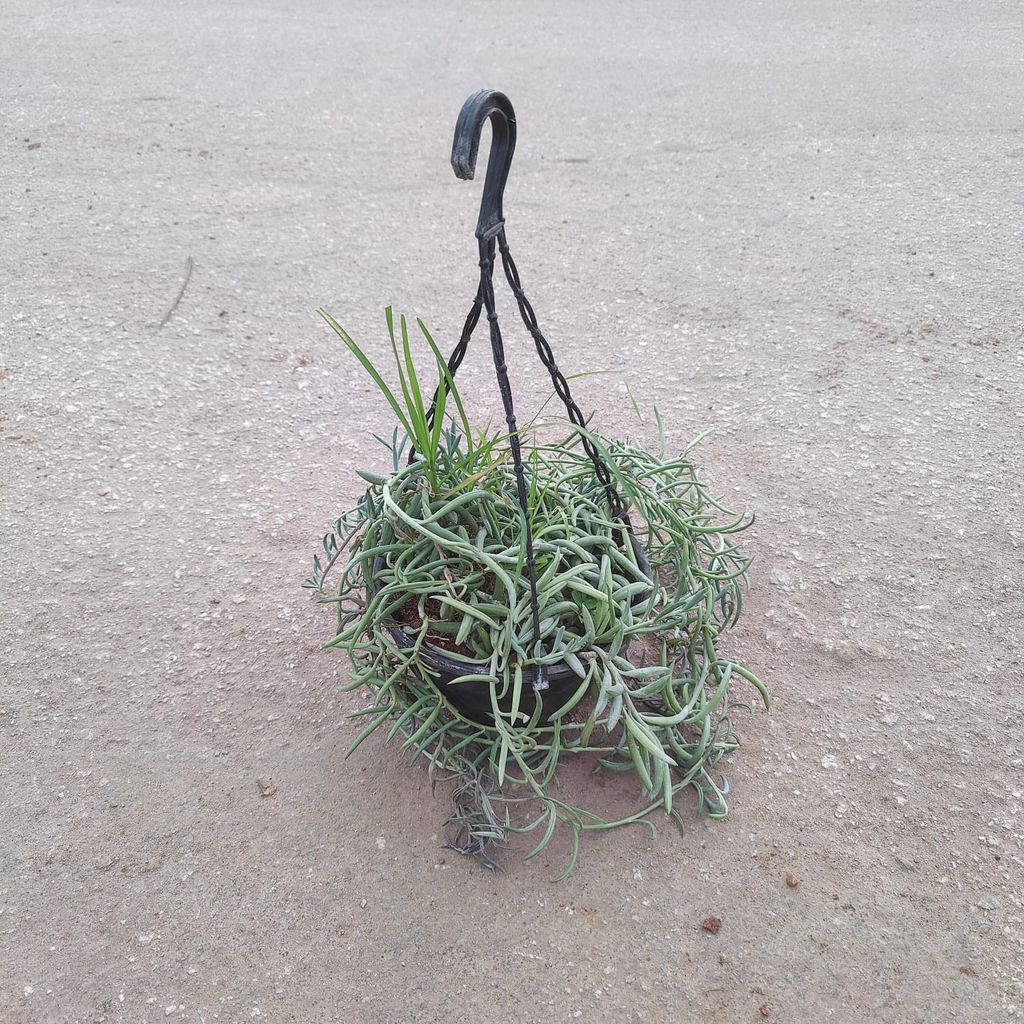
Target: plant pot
(472,699)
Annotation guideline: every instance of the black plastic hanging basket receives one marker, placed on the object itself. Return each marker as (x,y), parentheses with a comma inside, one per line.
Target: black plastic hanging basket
(549,685)
(473,700)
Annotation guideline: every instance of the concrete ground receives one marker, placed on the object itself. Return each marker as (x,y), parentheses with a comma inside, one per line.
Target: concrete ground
(798,223)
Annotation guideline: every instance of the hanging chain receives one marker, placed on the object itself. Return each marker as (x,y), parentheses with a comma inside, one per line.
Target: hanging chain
(484,300)
(547,357)
(505,387)
(488,104)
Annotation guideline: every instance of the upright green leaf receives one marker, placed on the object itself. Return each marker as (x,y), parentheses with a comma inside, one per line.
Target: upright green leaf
(370,369)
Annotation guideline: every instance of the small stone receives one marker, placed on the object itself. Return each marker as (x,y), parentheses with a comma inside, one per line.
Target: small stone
(987,903)
(765,1010)
(890,719)
(712,925)
(791,880)
(828,761)
(778,578)
(969,971)
(266,787)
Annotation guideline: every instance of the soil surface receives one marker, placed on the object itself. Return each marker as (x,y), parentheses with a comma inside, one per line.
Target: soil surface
(799,224)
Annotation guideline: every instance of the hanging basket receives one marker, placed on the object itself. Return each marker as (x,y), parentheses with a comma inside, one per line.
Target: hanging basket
(491,652)
(472,700)
(551,685)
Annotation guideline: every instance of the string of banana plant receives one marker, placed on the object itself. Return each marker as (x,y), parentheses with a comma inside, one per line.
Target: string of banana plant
(620,664)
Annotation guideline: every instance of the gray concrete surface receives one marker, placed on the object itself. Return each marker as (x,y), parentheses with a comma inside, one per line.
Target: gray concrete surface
(798,223)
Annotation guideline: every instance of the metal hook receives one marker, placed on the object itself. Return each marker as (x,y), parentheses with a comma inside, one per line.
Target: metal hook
(482,105)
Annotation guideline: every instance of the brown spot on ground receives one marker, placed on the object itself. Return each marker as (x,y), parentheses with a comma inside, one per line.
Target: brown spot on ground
(712,925)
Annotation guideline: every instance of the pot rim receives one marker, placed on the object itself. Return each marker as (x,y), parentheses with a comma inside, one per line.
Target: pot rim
(449,667)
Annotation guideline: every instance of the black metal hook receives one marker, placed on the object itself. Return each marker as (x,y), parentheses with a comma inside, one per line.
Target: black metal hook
(488,103)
